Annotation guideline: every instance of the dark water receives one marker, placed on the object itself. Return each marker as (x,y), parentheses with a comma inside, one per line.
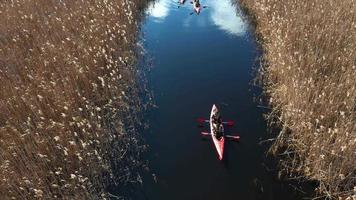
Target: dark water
(199,60)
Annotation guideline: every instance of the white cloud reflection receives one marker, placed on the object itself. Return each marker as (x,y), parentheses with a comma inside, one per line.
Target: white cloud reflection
(223,15)
(159,9)
(221,12)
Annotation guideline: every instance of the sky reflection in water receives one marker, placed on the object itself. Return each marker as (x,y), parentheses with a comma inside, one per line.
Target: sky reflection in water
(159,9)
(219,13)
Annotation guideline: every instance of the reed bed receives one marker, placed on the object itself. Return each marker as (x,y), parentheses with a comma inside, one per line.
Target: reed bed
(309,75)
(69,98)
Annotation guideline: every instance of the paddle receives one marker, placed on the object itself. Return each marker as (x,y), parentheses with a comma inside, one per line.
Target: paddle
(229,123)
(235,137)
(202,120)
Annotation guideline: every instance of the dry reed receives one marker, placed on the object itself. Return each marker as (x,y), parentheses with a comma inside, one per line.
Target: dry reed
(68,97)
(309,75)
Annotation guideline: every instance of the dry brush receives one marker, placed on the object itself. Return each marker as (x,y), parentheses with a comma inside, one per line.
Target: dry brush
(68,97)
(309,76)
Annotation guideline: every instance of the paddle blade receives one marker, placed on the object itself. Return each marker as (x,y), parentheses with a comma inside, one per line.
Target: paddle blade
(205,133)
(233,137)
(229,123)
(202,120)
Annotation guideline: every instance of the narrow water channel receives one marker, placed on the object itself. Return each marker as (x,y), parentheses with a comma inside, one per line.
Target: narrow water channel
(199,60)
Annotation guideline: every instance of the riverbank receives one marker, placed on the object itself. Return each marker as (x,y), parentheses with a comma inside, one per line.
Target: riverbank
(308,74)
(69,98)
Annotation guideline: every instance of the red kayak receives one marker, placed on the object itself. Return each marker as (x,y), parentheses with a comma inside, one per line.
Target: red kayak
(217,132)
(219,143)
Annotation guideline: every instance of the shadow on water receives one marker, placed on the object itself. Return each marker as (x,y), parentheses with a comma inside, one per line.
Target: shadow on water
(199,60)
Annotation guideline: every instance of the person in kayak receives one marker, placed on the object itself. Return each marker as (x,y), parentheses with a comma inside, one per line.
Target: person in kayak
(217,118)
(217,125)
(219,132)
(181,2)
(196,3)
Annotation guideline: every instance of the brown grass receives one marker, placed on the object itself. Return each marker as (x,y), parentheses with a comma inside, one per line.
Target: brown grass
(309,75)
(68,97)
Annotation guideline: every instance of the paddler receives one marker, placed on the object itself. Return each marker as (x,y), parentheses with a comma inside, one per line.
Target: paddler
(219,132)
(181,2)
(217,123)
(217,118)
(196,3)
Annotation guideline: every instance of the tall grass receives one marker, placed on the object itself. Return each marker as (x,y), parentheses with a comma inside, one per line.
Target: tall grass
(309,75)
(68,97)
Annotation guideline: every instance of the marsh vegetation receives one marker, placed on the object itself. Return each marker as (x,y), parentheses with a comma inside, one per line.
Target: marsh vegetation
(308,73)
(69,98)
(70,94)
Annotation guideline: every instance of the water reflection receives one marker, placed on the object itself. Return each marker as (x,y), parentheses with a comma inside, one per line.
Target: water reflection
(219,13)
(159,10)
(223,15)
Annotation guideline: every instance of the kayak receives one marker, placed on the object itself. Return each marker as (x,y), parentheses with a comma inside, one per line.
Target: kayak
(218,143)
(182,1)
(217,131)
(196,7)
